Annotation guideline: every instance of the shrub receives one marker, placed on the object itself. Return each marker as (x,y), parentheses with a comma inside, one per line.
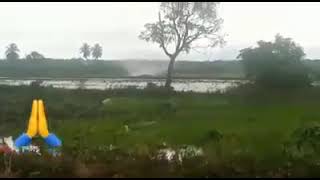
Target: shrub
(276,64)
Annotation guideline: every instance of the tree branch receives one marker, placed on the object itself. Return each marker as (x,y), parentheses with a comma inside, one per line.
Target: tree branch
(196,36)
(162,44)
(178,34)
(176,30)
(186,32)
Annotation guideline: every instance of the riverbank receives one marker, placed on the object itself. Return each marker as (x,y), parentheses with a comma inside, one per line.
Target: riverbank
(77,68)
(242,133)
(142,77)
(195,85)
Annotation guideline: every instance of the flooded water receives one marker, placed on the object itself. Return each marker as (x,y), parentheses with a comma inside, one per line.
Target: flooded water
(195,85)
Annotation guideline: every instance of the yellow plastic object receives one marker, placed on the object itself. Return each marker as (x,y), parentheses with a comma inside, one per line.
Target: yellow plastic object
(43,127)
(33,120)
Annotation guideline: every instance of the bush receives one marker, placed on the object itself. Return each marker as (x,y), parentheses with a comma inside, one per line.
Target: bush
(276,64)
(307,136)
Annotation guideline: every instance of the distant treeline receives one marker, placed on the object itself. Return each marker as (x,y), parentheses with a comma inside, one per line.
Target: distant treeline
(77,68)
(60,69)
(210,69)
(314,68)
(231,68)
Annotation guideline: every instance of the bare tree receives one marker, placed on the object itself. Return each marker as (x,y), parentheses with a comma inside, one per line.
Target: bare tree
(182,26)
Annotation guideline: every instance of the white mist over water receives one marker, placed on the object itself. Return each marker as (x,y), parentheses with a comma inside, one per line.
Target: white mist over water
(138,68)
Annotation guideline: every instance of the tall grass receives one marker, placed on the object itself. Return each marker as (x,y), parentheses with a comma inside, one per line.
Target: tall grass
(242,132)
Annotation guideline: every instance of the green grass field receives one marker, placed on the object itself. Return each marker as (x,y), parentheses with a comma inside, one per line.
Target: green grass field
(254,125)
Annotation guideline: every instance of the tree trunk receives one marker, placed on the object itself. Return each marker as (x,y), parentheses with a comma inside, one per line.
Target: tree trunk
(170,70)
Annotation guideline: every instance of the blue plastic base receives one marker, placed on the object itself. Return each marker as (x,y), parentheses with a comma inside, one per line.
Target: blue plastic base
(52,140)
(22,140)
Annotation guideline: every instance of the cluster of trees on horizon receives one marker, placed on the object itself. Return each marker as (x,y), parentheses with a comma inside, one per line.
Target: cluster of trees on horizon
(87,51)
(12,52)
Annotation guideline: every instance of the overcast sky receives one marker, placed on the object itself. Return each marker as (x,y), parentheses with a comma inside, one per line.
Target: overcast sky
(57,30)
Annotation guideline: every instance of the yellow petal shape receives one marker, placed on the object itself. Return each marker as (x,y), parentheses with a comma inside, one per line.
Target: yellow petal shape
(43,127)
(33,120)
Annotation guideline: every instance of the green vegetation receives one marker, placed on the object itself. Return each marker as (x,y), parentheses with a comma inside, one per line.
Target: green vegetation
(253,130)
(210,69)
(276,64)
(245,132)
(77,68)
(96,51)
(85,50)
(60,69)
(34,55)
(12,52)
(258,129)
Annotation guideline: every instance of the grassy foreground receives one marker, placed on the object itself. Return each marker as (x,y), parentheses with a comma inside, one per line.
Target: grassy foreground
(243,133)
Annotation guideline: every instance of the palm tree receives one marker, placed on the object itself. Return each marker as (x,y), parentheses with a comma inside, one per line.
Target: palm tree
(85,51)
(96,51)
(12,52)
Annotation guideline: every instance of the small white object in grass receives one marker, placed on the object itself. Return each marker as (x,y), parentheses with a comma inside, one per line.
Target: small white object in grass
(164,143)
(106,101)
(168,154)
(126,128)
(9,142)
(111,147)
(190,151)
(185,152)
(35,149)
(31,148)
